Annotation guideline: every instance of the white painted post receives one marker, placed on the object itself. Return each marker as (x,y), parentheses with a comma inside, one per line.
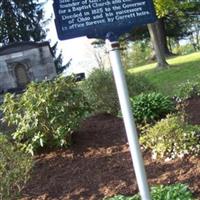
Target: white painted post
(131,131)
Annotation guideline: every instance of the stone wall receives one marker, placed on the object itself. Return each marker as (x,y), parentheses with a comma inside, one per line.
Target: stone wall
(17,68)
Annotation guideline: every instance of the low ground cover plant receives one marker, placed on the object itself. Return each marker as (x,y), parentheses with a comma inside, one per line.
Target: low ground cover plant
(188,89)
(171,192)
(15,167)
(171,137)
(46,114)
(150,107)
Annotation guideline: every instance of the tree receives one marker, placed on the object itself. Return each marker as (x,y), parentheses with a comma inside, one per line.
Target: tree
(193,18)
(162,9)
(179,22)
(155,39)
(22,20)
(157,30)
(100,53)
(58,60)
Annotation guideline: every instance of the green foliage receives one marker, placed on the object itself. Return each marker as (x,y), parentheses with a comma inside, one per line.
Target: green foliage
(171,192)
(138,84)
(58,60)
(171,138)
(46,114)
(150,107)
(100,91)
(21,21)
(15,166)
(184,49)
(122,197)
(189,89)
(138,54)
(166,81)
(163,7)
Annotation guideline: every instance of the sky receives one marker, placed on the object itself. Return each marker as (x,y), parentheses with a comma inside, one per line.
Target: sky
(79,50)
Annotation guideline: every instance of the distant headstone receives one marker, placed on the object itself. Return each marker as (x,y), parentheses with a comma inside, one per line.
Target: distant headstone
(95,18)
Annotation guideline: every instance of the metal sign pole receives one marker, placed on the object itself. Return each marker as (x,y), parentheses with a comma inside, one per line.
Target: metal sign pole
(130,127)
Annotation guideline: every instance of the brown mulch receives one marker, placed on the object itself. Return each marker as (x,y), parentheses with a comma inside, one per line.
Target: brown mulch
(192,110)
(99,164)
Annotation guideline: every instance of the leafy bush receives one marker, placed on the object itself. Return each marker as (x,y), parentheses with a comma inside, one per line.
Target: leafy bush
(138,84)
(46,114)
(188,89)
(148,108)
(184,49)
(171,138)
(137,54)
(100,91)
(15,166)
(171,192)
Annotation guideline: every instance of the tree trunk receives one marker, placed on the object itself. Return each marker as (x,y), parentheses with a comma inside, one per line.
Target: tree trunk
(159,52)
(163,38)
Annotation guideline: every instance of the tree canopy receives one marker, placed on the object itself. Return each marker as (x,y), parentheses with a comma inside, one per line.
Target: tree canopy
(21,20)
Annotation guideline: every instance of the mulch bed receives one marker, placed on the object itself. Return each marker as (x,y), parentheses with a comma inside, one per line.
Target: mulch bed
(99,164)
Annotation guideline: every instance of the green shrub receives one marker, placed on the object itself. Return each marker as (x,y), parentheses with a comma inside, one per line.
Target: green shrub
(171,138)
(137,54)
(148,108)
(184,49)
(100,91)
(46,114)
(15,166)
(138,84)
(188,89)
(171,192)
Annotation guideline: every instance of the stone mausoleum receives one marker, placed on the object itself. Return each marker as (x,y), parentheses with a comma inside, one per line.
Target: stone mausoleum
(23,62)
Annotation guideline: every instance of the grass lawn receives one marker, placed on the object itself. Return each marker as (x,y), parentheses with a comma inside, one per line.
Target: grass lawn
(181,68)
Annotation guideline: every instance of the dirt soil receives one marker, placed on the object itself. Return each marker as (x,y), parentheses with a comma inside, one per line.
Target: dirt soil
(99,165)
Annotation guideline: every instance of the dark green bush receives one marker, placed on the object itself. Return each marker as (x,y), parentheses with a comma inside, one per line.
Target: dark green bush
(46,114)
(138,84)
(188,89)
(171,138)
(171,192)
(148,108)
(15,166)
(100,91)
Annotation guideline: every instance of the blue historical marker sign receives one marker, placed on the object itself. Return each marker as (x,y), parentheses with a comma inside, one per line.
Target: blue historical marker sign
(95,18)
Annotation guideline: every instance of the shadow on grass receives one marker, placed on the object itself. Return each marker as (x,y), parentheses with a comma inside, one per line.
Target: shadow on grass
(174,62)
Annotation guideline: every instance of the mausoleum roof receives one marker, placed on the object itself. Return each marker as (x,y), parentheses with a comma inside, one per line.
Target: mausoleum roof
(21,46)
